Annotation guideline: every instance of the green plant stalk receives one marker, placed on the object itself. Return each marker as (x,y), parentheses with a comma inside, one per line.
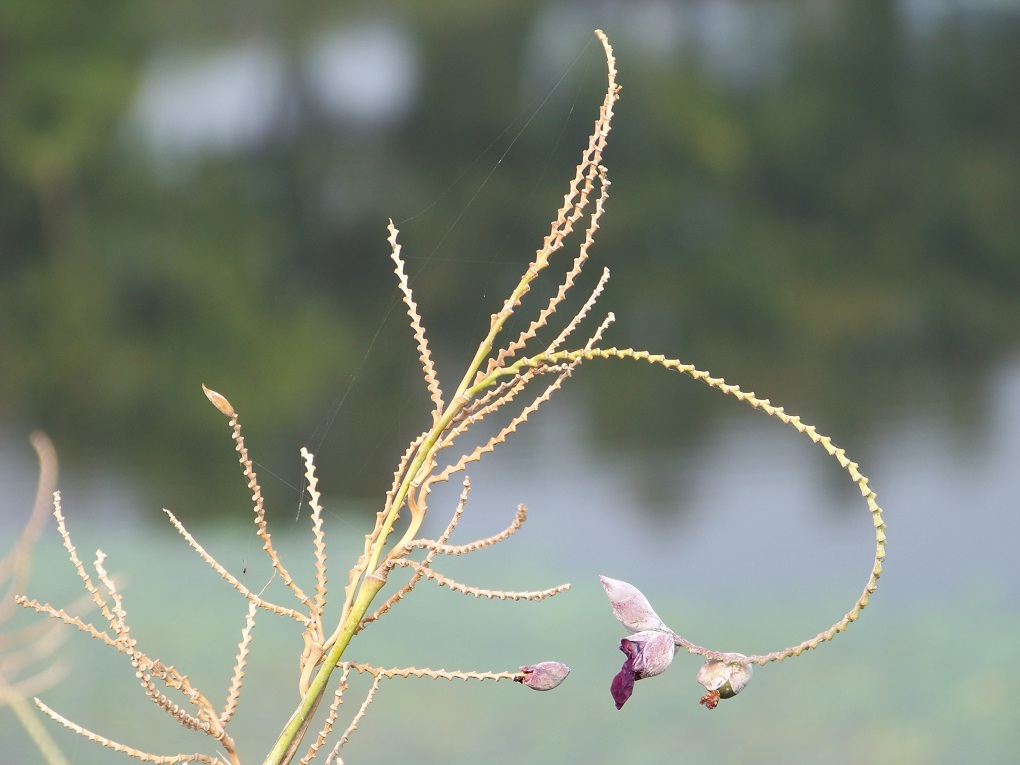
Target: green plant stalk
(286,745)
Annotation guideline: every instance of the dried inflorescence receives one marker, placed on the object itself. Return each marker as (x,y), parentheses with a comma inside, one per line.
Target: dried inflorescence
(512,377)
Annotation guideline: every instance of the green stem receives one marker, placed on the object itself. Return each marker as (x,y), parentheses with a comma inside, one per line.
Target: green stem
(286,745)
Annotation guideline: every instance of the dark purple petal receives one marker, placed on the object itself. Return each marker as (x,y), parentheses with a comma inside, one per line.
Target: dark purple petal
(631,649)
(623,685)
(650,653)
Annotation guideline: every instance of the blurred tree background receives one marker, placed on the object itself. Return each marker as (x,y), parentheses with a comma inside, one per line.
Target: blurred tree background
(820,201)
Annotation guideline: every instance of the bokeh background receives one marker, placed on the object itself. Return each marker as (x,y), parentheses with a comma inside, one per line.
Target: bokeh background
(820,201)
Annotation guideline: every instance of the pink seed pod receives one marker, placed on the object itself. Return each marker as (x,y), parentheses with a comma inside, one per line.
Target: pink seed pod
(543,676)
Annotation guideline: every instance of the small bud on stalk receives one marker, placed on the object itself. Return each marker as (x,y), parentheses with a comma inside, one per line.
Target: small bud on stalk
(543,676)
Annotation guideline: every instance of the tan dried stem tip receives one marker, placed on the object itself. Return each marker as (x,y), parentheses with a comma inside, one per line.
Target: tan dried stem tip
(219,401)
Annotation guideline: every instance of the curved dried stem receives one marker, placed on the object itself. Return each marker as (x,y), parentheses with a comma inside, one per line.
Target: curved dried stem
(493,380)
(440,548)
(479,592)
(230,578)
(762,405)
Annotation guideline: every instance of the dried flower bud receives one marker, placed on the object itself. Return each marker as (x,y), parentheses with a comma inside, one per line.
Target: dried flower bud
(544,676)
(723,679)
(631,607)
(219,401)
(648,653)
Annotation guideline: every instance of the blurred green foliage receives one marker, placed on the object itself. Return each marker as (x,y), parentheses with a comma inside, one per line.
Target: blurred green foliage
(838,229)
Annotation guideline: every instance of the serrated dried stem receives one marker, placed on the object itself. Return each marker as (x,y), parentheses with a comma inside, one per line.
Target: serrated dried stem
(361,566)
(458,511)
(319,540)
(574,202)
(79,567)
(146,668)
(66,618)
(440,548)
(478,592)
(117,614)
(428,368)
(565,286)
(585,309)
(834,451)
(230,578)
(237,678)
(138,754)
(432,674)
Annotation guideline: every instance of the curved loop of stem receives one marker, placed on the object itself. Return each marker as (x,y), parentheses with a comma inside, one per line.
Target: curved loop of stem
(763,405)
